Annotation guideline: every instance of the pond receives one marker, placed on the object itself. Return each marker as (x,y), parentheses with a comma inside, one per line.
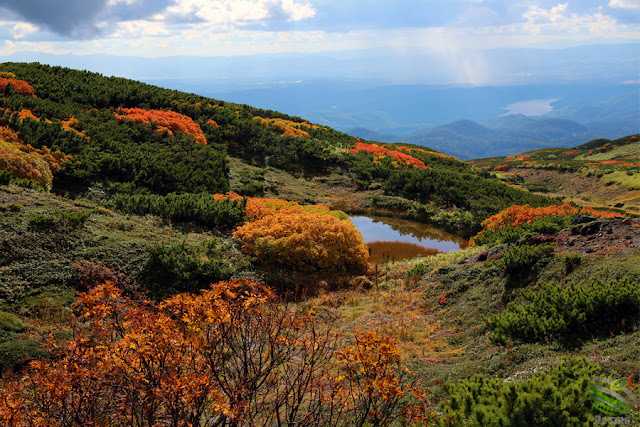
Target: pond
(394,239)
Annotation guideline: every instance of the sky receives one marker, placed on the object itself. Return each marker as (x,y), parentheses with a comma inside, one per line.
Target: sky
(160,28)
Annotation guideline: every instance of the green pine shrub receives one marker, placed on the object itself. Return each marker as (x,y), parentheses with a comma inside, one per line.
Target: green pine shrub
(571,262)
(10,322)
(198,208)
(58,221)
(550,224)
(558,397)
(578,310)
(518,260)
(186,268)
(5,177)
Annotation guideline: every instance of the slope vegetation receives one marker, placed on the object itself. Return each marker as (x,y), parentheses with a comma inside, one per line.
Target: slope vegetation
(188,261)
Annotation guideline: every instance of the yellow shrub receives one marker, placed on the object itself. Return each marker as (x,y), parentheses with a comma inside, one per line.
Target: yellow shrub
(305,241)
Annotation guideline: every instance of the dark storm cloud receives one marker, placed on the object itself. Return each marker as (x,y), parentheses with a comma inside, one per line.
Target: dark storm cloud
(79,18)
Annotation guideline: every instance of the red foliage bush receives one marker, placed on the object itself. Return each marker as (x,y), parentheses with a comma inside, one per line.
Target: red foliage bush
(396,155)
(95,274)
(20,86)
(169,121)
(517,215)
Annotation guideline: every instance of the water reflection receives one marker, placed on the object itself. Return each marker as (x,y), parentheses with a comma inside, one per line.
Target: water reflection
(392,238)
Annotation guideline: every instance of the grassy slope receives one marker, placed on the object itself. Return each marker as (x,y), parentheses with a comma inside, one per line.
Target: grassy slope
(597,173)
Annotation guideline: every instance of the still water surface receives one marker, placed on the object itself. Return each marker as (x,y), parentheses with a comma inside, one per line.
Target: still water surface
(399,235)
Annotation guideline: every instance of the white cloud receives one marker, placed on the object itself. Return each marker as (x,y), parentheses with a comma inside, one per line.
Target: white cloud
(23,29)
(230,13)
(556,20)
(140,28)
(536,14)
(625,4)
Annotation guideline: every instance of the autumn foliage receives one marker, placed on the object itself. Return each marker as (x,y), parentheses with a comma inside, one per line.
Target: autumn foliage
(24,161)
(286,127)
(286,236)
(67,124)
(20,86)
(396,155)
(517,215)
(169,121)
(231,355)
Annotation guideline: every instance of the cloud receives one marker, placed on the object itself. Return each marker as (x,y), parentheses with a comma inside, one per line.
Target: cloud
(625,4)
(23,29)
(536,14)
(232,13)
(558,20)
(78,19)
(71,18)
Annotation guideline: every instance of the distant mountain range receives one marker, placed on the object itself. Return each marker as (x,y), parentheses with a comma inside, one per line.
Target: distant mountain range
(505,135)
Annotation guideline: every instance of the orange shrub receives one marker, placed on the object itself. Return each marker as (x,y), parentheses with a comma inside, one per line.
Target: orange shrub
(396,155)
(231,355)
(169,121)
(434,153)
(517,215)
(286,127)
(24,161)
(258,207)
(299,240)
(20,86)
(66,124)
(501,168)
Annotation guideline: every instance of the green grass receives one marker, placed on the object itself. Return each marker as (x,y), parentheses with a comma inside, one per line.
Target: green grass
(631,182)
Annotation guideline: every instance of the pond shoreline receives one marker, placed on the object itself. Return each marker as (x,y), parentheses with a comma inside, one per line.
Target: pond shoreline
(400,238)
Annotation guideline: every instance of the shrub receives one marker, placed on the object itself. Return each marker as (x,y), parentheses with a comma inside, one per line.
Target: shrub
(520,259)
(58,221)
(10,322)
(180,268)
(230,355)
(518,223)
(26,183)
(516,215)
(571,262)
(292,239)
(169,121)
(94,274)
(577,310)
(200,208)
(24,161)
(5,177)
(558,397)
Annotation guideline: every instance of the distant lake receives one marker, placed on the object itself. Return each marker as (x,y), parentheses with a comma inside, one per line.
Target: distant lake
(395,239)
(533,107)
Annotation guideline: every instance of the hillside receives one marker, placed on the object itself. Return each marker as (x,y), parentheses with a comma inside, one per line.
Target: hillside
(172,259)
(505,135)
(600,172)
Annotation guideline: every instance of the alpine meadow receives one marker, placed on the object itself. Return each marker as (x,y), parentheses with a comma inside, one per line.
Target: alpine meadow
(172,259)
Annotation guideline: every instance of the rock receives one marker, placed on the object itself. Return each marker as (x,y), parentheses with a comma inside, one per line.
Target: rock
(627,221)
(483,256)
(618,205)
(583,219)
(589,250)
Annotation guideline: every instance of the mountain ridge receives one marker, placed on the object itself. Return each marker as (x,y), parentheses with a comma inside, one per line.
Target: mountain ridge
(505,135)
